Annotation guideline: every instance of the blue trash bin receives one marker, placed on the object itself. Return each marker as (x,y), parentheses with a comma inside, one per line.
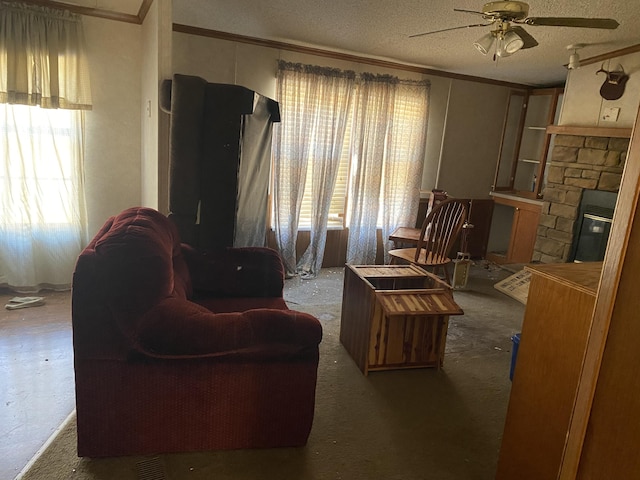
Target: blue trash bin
(514,354)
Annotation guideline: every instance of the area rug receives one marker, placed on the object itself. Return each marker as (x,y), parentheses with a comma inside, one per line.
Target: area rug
(409,424)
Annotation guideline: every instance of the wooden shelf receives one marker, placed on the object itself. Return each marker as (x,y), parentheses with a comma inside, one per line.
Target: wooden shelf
(590,131)
(515,199)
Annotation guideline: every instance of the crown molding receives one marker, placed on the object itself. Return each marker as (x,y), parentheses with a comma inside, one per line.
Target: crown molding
(232,37)
(98,12)
(613,54)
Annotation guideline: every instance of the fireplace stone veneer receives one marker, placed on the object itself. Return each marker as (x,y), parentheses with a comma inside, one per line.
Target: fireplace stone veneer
(577,163)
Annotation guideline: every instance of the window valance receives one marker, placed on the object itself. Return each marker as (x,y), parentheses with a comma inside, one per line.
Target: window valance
(43,57)
(357,77)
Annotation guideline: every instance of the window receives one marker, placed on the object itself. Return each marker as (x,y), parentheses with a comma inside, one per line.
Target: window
(42,211)
(42,215)
(348,153)
(337,210)
(408,117)
(38,172)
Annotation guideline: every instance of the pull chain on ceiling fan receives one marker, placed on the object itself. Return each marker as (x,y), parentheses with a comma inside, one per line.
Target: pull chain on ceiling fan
(509,38)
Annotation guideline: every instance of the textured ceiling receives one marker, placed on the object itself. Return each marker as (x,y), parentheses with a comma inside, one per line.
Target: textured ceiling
(381,29)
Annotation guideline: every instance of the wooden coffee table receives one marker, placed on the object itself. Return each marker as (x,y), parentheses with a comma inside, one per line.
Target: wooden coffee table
(395,316)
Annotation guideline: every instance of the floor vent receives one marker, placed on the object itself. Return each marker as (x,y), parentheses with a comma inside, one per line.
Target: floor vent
(151,469)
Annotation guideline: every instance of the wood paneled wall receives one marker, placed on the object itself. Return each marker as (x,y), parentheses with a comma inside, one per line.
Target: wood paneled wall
(335,251)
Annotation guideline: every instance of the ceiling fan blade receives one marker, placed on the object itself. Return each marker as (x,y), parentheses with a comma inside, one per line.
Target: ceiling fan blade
(467,11)
(449,29)
(608,23)
(529,41)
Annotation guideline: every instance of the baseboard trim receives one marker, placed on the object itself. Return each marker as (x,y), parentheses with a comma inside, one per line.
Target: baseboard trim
(45,445)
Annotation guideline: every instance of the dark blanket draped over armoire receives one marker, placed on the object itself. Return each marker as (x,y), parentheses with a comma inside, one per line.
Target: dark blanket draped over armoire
(220,157)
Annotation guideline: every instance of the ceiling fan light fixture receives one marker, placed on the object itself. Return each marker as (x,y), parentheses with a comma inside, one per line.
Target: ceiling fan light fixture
(500,50)
(512,42)
(574,61)
(574,58)
(484,43)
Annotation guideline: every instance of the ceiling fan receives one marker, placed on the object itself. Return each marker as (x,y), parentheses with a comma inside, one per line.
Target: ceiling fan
(510,38)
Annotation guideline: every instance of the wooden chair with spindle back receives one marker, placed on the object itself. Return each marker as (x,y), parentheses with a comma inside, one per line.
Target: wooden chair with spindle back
(440,229)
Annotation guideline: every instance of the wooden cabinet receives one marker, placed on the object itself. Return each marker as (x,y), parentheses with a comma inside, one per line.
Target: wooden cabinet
(525,142)
(514,226)
(547,373)
(521,173)
(510,143)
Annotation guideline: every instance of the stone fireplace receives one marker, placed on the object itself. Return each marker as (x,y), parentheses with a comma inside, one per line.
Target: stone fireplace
(577,163)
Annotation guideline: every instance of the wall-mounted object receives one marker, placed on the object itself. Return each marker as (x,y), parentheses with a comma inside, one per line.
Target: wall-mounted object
(610,114)
(574,58)
(613,86)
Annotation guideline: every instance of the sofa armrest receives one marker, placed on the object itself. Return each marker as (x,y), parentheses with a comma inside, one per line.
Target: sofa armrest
(235,272)
(178,328)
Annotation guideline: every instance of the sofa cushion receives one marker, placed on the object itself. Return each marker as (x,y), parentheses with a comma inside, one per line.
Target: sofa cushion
(140,260)
(235,272)
(176,327)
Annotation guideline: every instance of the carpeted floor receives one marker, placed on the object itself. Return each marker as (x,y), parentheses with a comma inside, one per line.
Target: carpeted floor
(411,424)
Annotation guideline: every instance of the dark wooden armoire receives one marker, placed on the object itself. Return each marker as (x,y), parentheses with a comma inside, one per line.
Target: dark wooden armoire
(220,158)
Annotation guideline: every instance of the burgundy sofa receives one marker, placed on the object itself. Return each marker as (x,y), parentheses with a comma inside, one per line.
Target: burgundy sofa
(179,350)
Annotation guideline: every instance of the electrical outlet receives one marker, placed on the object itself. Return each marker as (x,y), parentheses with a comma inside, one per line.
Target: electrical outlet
(610,114)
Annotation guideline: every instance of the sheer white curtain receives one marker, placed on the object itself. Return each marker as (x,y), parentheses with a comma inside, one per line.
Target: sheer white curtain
(42,214)
(388,157)
(43,90)
(372,121)
(314,103)
(404,159)
(381,156)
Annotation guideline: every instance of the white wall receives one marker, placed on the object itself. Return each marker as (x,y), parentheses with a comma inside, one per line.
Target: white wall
(112,139)
(124,76)
(438,101)
(476,111)
(156,65)
(149,109)
(471,141)
(165,69)
(583,104)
